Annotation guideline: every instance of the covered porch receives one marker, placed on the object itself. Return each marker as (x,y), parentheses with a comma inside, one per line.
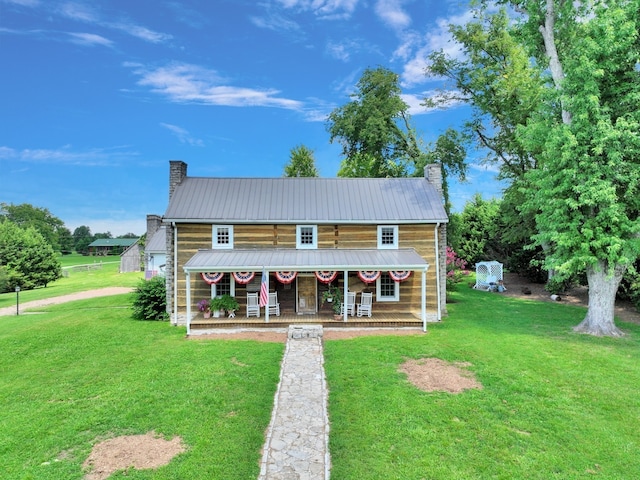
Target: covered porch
(311,266)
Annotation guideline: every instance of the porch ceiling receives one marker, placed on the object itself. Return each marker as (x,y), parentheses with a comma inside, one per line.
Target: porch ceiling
(291,259)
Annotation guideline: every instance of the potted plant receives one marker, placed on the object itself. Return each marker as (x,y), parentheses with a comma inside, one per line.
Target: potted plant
(204,306)
(333,295)
(223,303)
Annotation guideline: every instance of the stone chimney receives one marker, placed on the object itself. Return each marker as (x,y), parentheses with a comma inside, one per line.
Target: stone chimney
(177,173)
(153,224)
(433,174)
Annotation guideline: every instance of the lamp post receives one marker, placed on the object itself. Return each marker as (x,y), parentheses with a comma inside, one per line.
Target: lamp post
(17,300)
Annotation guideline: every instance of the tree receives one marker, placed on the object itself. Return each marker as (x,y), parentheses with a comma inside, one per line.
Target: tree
(562,85)
(374,129)
(82,237)
(65,240)
(301,163)
(26,215)
(27,259)
(586,188)
(479,236)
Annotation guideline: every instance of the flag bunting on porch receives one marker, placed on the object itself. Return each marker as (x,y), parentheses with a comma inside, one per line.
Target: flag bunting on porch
(286,277)
(244,277)
(326,276)
(369,276)
(264,293)
(212,277)
(399,276)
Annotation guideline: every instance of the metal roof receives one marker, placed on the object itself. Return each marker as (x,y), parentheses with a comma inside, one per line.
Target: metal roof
(158,241)
(298,200)
(290,259)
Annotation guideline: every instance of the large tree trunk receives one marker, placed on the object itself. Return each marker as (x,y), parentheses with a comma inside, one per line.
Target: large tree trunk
(603,285)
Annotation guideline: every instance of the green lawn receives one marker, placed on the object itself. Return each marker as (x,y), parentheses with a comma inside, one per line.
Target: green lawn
(554,404)
(107,276)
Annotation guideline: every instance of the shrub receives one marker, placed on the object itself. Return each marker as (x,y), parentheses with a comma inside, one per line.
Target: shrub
(150,300)
(456,268)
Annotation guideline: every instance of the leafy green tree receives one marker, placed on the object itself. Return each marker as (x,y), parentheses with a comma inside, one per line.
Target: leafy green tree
(301,163)
(82,237)
(150,300)
(479,233)
(374,129)
(26,215)
(65,239)
(28,260)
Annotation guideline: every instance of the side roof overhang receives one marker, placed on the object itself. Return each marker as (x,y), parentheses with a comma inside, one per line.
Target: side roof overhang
(291,259)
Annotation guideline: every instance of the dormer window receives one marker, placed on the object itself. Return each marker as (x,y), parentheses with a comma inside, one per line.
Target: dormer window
(222,236)
(307,236)
(387,236)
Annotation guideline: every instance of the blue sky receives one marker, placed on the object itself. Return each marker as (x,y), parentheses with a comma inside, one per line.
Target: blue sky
(98,96)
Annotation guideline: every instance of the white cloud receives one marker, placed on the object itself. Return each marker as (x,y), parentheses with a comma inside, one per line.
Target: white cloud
(185,83)
(68,156)
(391,13)
(90,39)
(24,3)
(183,135)
(325,9)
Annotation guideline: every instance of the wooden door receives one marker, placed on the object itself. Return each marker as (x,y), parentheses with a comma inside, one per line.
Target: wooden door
(307,294)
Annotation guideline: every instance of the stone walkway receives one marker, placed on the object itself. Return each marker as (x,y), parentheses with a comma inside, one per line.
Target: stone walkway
(296,446)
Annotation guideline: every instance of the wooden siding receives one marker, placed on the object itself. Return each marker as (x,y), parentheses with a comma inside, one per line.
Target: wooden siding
(192,237)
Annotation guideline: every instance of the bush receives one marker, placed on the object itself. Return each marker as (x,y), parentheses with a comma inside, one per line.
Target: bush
(150,300)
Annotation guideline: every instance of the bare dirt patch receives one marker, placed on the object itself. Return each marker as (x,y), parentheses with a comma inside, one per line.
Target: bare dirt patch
(435,375)
(130,451)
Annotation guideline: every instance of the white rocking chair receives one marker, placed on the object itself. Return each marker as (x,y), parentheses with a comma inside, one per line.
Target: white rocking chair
(274,306)
(253,307)
(364,307)
(350,303)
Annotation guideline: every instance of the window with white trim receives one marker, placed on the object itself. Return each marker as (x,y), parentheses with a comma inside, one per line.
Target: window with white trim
(387,236)
(387,290)
(307,236)
(226,286)
(222,236)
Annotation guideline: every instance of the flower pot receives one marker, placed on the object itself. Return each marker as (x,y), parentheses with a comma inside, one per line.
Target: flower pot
(216,314)
(207,314)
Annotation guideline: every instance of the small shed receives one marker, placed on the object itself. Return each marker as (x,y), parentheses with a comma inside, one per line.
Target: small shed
(488,273)
(131,259)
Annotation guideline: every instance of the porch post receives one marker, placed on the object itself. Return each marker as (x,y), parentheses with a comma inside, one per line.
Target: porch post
(344,295)
(188,275)
(424,299)
(266,308)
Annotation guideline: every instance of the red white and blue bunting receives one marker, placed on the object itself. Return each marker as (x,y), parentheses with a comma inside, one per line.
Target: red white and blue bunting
(326,276)
(243,277)
(369,276)
(399,276)
(286,277)
(212,277)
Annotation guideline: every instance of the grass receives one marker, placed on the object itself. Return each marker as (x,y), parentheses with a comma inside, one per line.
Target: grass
(86,371)
(554,404)
(107,276)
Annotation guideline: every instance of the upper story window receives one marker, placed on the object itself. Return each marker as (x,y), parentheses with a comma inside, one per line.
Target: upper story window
(307,236)
(387,236)
(222,236)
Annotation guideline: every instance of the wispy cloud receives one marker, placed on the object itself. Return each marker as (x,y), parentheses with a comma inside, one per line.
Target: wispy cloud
(450,99)
(392,14)
(90,39)
(24,3)
(183,135)
(276,22)
(185,83)
(325,9)
(68,156)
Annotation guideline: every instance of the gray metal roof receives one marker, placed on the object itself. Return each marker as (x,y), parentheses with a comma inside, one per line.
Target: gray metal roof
(157,242)
(298,200)
(290,259)
(113,242)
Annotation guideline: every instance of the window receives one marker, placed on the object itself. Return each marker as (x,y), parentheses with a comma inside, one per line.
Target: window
(222,236)
(306,236)
(226,286)
(387,236)
(386,289)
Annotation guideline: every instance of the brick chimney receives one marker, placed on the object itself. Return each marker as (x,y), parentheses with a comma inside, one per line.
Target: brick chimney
(177,173)
(153,224)
(433,174)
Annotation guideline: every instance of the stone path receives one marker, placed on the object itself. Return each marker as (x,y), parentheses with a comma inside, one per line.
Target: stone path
(296,446)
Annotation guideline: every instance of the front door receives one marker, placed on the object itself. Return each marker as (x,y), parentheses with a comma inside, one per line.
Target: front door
(307,296)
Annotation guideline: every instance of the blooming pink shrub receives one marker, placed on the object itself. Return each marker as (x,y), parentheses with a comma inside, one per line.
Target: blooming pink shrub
(456,268)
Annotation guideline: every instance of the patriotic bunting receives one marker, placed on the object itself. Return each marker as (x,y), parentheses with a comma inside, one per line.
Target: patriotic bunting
(369,276)
(400,276)
(286,277)
(243,277)
(326,276)
(212,277)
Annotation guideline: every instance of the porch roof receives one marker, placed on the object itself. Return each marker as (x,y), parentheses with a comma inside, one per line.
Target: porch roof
(291,259)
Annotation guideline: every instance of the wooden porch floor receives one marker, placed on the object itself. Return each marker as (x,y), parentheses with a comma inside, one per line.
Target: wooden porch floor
(392,320)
